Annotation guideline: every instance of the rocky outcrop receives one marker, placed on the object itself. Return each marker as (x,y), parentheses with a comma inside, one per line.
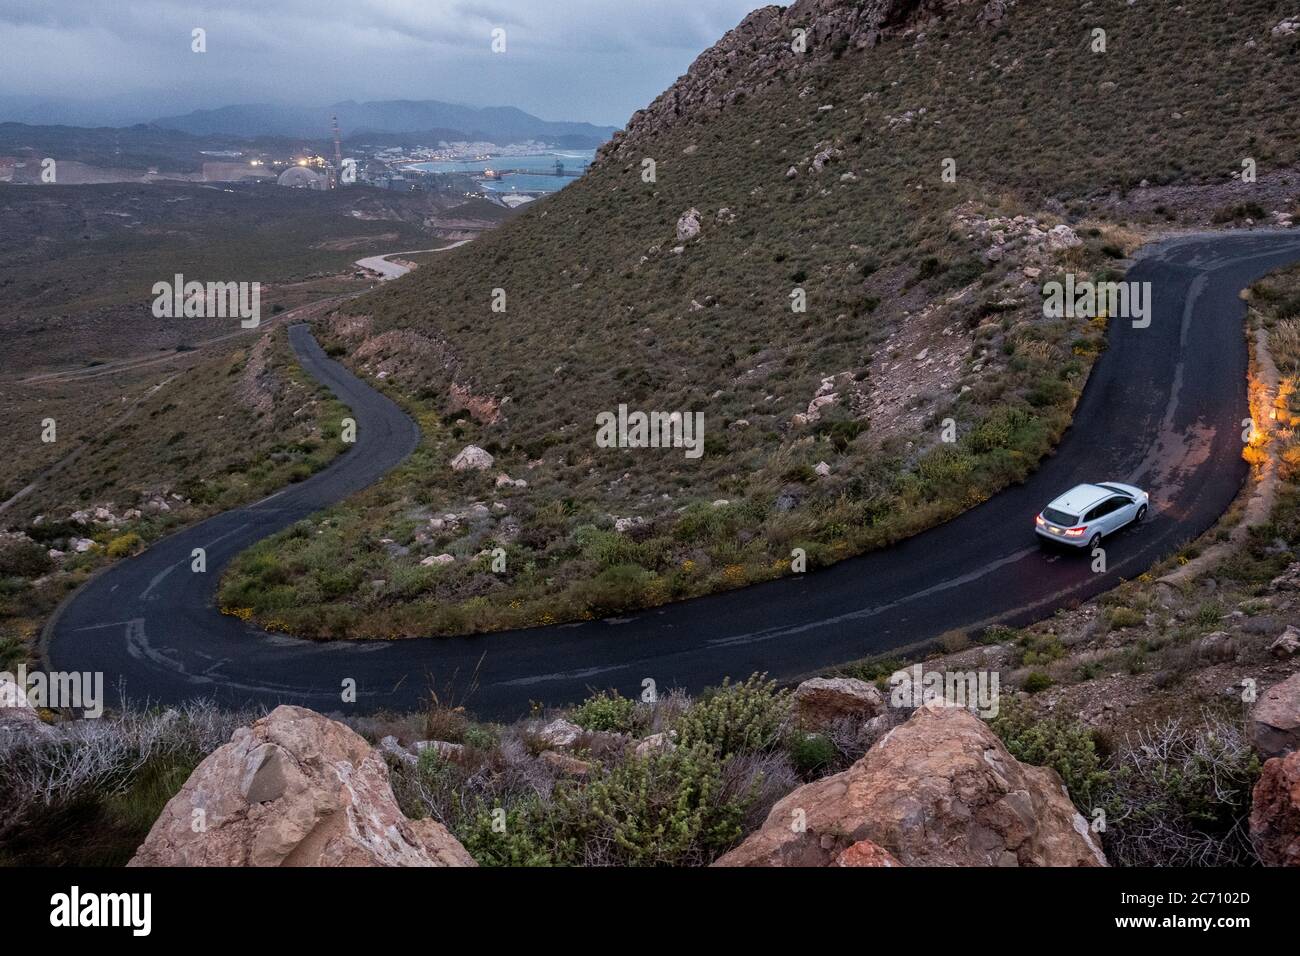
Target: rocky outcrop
(761,51)
(939,790)
(294,789)
(827,700)
(1275,812)
(258,384)
(1276,719)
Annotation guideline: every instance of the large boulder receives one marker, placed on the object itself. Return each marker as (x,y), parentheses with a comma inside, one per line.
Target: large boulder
(1275,812)
(688,225)
(826,700)
(1276,728)
(295,789)
(472,458)
(939,790)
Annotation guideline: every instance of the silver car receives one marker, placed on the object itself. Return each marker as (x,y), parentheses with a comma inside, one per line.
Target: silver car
(1085,514)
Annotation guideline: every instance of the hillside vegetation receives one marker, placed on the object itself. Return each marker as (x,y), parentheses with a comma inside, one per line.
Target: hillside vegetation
(820,174)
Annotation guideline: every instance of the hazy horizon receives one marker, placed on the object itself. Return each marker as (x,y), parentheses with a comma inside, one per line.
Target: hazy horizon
(580,61)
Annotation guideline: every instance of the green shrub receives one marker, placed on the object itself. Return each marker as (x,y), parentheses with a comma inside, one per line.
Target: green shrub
(1048,390)
(811,754)
(1066,746)
(1034,649)
(1118,617)
(876,672)
(433,768)
(999,429)
(944,468)
(668,808)
(606,711)
(480,737)
(1209,614)
(735,718)
(123,545)
(664,809)
(1035,682)
(524,834)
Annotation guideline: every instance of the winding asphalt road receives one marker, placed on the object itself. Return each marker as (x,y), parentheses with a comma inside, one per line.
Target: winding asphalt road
(1163,409)
(393,270)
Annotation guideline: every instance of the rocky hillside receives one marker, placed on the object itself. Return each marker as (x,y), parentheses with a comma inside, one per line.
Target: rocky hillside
(764,50)
(825,254)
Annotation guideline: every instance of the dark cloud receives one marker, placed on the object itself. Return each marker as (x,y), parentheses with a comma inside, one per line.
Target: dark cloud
(596,60)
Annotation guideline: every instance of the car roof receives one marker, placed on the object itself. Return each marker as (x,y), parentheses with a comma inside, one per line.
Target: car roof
(1080,498)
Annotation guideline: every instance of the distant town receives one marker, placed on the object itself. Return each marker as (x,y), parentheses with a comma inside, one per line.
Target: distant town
(508,175)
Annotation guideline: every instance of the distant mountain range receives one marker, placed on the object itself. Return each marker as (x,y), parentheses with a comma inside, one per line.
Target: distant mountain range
(388,118)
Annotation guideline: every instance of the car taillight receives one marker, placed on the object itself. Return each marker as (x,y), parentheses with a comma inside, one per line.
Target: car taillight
(1075,532)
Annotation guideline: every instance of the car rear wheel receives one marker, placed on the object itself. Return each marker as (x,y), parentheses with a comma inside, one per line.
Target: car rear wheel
(1095,542)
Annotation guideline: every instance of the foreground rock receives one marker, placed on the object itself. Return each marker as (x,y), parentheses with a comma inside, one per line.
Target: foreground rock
(939,790)
(1275,812)
(1276,727)
(825,700)
(295,789)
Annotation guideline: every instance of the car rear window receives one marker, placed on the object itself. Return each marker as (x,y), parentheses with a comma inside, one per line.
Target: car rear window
(1059,517)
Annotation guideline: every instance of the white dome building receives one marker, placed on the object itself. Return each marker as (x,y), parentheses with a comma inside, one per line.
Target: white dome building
(300,177)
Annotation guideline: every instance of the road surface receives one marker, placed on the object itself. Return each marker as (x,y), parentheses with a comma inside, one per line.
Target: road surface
(392,270)
(1163,409)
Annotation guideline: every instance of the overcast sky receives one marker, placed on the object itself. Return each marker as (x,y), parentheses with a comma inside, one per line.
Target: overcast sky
(594,60)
